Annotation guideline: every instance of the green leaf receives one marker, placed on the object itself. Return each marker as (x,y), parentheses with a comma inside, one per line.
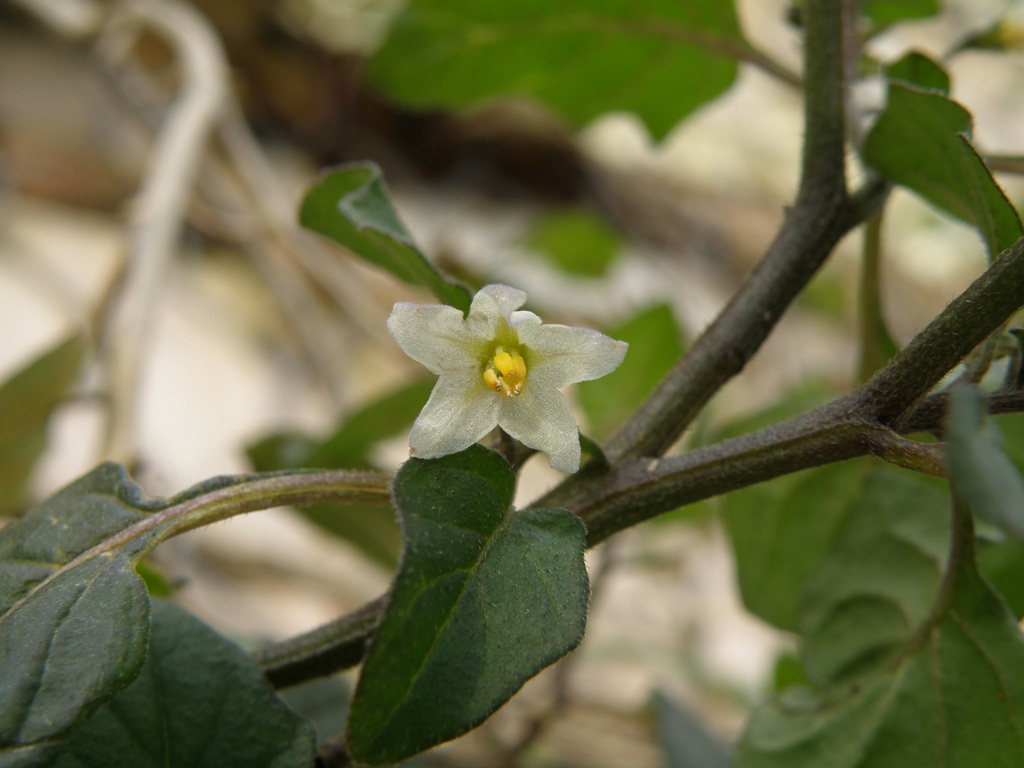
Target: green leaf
(660,59)
(783,530)
(953,699)
(1011,427)
(917,69)
(65,651)
(198,701)
(1002,565)
(74,614)
(788,672)
(372,529)
(655,344)
(349,205)
(362,430)
(323,701)
(280,450)
(73,627)
(26,401)
(922,141)
(484,599)
(978,467)
(1002,35)
(1001,559)
(684,739)
(878,581)
(354,439)
(576,241)
(885,12)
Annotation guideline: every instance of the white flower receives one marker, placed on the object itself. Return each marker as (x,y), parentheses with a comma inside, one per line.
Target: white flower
(499,366)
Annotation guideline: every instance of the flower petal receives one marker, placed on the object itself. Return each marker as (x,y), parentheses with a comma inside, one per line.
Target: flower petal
(497,300)
(435,336)
(561,354)
(522,318)
(460,411)
(541,419)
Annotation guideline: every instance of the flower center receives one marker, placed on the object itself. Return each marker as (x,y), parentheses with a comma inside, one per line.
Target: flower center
(506,372)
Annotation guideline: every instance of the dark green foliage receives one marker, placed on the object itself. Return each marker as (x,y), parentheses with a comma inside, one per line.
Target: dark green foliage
(350,205)
(26,401)
(198,701)
(576,241)
(922,141)
(686,742)
(782,531)
(982,472)
(371,529)
(485,598)
(953,698)
(74,615)
(581,59)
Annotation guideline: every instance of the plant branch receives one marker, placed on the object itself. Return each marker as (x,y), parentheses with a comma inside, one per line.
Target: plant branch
(929,414)
(821,215)
(852,426)
(860,423)
(331,647)
(291,488)
(644,488)
(1005,163)
(199,508)
(965,322)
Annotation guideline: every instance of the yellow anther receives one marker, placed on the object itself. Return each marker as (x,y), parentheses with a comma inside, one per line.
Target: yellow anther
(506,373)
(504,363)
(520,365)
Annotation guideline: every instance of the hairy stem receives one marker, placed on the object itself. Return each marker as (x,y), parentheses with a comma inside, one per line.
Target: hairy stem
(821,215)
(337,645)
(965,322)
(644,488)
(247,494)
(865,422)
(860,423)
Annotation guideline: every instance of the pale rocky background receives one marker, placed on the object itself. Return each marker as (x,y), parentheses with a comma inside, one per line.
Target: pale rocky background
(223,367)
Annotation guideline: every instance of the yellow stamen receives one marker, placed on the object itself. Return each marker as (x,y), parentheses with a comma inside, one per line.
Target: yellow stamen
(503,362)
(506,373)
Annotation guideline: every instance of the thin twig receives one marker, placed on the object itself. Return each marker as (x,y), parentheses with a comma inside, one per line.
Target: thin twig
(929,414)
(73,19)
(1005,163)
(235,209)
(276,209)
(159,210)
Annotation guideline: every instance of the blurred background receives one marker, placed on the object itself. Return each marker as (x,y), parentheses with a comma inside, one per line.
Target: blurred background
(152,159)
